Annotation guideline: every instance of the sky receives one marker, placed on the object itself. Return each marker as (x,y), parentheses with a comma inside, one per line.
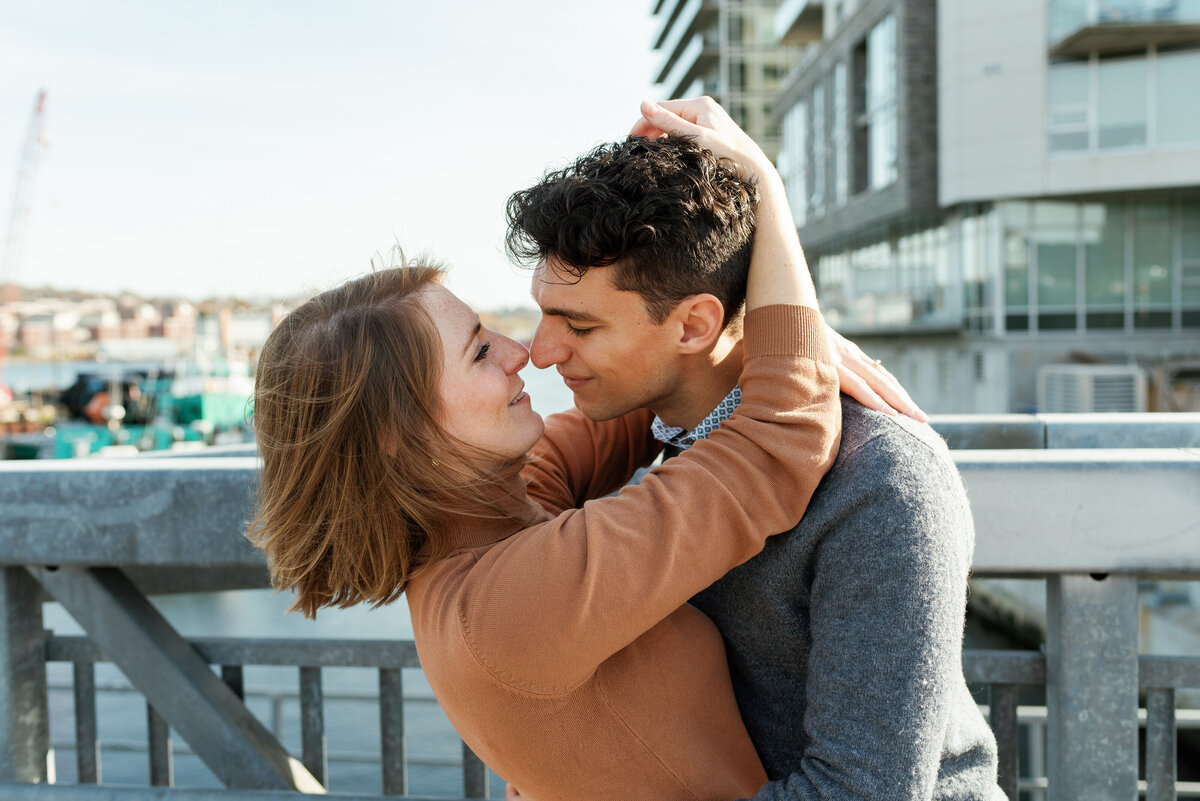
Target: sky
(268,148)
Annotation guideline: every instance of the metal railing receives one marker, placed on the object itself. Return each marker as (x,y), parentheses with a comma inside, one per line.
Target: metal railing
(1061,497)
(390,658)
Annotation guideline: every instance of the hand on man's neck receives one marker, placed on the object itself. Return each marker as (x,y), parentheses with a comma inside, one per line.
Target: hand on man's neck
(708,378)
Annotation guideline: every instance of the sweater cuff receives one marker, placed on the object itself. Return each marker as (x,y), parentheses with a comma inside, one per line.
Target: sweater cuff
(783,330)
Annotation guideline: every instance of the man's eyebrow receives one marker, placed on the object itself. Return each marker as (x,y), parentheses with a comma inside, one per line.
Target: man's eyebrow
(474,333)
(572,314)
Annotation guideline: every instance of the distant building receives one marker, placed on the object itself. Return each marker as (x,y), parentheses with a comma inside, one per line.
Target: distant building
(726,49)
(984,189)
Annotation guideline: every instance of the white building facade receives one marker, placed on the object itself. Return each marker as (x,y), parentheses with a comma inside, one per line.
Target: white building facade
(986,189)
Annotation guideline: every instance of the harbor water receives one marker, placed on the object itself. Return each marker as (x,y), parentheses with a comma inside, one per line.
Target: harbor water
(351,710)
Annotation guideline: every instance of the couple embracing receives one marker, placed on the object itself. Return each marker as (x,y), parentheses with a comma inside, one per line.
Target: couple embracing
(775,611)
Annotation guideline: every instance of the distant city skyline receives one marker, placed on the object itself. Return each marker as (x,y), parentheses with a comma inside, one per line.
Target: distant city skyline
(272,149)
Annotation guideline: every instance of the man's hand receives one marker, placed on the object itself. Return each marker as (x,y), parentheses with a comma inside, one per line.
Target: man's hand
(868,381)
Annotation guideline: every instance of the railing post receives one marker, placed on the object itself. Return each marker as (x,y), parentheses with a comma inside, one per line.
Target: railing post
(24,714)
(1092,687)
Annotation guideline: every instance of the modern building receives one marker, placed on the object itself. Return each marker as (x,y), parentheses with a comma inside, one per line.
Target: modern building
(989,191)
(726,49)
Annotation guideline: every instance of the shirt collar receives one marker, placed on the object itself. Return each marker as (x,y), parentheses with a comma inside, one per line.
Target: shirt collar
(682,439)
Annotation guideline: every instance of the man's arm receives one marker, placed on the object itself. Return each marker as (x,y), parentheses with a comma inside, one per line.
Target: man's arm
(887,609)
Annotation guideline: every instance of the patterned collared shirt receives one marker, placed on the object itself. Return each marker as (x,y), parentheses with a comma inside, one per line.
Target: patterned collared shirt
(682,439)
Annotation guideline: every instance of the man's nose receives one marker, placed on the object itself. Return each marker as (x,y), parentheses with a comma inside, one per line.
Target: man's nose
(545,350)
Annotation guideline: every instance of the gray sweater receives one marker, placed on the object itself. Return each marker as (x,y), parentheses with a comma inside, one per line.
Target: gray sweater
(844,635)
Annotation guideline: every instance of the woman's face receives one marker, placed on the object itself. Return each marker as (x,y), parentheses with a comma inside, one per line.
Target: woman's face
(483,402)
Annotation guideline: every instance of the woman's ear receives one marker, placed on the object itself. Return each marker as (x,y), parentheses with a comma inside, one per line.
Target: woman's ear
(701,319)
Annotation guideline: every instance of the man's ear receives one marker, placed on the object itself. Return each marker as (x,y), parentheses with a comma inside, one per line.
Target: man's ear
(700,318)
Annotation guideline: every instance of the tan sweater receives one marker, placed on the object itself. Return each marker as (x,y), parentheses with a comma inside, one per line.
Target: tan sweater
(565,653)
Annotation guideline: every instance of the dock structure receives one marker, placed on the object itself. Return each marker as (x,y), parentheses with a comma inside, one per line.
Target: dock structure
(1093,504)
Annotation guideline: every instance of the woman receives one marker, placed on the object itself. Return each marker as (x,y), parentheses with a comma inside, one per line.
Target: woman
(401,456)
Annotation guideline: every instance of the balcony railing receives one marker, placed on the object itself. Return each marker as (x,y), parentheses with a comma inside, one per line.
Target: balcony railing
(1090,503)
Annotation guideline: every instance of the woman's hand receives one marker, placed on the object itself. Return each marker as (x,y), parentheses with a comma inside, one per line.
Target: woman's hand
(868,381)
(703,119)
(778,272)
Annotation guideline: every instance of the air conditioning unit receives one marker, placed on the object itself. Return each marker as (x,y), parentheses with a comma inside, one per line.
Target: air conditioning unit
(1084,388)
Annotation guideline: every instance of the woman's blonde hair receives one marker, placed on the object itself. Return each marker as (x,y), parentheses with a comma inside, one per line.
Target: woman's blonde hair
(345,413)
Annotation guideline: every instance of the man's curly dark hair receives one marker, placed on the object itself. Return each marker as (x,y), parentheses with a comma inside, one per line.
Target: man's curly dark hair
(671,218)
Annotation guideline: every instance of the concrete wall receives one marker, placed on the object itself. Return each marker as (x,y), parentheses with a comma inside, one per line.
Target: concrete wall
(992,98)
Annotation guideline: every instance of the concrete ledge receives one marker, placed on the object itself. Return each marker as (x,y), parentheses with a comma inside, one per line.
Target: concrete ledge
(1122,430)
(1036,512)
(151,513)
(1084,511)
(974,431)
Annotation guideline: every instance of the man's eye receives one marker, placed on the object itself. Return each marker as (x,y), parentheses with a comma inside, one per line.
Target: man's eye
(483,352)
(578,331)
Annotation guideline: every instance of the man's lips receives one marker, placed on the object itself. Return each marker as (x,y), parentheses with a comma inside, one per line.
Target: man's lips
(574,383)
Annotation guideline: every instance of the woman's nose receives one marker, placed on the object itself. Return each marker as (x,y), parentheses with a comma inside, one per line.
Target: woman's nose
(515,355)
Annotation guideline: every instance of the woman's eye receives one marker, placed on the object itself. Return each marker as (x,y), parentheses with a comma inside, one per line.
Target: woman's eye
(577,331)
(483,352)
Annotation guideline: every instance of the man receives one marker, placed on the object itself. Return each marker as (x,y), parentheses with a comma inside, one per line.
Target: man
(844,635)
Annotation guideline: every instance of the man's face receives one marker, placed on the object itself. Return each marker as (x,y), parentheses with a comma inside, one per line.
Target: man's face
(610,353)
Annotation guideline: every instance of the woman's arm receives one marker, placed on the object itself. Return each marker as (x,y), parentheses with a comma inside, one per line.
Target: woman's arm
(578,459)
(544,608)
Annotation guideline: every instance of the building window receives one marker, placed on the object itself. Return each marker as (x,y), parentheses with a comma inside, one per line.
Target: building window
(793,158)
(1069,94)
(978,288)
(1176,74)
(1152,277)
(840,135)
(1055,239)
(1190,264)
(1017,229)
(1110,103)
(820,141)
(1104,265)
(1121,102)
(881,103)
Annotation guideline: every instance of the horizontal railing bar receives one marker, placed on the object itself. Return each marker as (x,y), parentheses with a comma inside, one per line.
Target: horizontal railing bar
(1037,512)
(17,791)
(1185,718)
(260,651)
(343,757)
(1182,789)
(1168,672)
(355,696)
(1146,430)
(1004,667)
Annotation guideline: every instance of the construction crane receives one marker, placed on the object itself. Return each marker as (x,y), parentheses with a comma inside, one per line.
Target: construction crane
(18,220)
